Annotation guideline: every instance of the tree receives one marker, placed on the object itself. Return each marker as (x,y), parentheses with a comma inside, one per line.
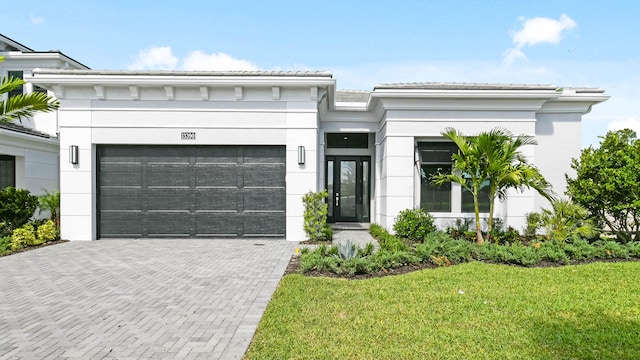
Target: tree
(469,169)
(607,183)
(492,156)
(22,106)
(509,169)
(50,202)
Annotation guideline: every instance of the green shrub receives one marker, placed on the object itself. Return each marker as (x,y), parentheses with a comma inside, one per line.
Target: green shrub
(553,252)
(358,265)
(50,202)
(392,259)
(17,206)
(315,214)
(440,245)
(612,249)
(327,233)
(634,248)
(377,231)
(47,231)
(23,237)
(413,224)
(580,250)
(5,245)
(392,243)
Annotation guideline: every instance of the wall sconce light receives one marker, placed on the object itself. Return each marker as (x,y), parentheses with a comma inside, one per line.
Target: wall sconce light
(300,155)
(73,154)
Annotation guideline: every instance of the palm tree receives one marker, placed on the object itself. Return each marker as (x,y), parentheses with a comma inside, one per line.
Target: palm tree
(509,169)
(21,106)
(492,156)
(469,170)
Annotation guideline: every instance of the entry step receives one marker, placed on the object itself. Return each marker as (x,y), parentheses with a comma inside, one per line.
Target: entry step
(350,226)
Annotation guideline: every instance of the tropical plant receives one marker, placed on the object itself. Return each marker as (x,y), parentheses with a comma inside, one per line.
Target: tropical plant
(564,221)
(315,215)
(50,202)
(607,183)
(509,169)
(22,106)
(492,156)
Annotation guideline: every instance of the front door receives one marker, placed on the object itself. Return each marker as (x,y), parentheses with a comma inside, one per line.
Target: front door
(348,184)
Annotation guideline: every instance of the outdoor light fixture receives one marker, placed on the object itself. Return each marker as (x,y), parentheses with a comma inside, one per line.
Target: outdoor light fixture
(73,154)
(300,155)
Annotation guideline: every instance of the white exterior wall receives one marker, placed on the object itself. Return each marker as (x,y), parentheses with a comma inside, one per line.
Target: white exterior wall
(559,140)
(37,160)
(291,122)
(399,176)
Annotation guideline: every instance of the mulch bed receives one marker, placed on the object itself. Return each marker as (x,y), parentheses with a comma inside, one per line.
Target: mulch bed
(29,248)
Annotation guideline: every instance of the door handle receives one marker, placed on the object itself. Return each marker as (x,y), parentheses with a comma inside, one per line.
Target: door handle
(337,199)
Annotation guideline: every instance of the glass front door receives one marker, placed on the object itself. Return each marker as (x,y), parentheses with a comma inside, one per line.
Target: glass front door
(348,183)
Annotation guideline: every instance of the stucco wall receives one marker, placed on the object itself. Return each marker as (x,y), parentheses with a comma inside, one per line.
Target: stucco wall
(86,123)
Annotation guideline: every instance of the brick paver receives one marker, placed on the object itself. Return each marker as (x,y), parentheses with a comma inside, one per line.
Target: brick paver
(137,299)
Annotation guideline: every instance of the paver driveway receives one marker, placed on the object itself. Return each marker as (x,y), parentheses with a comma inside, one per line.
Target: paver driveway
(136,299)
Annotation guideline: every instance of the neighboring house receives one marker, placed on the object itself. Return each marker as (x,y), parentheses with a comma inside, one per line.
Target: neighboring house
(230,154)
(29,150)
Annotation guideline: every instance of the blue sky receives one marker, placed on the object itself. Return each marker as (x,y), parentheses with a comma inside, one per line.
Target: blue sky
(566,43)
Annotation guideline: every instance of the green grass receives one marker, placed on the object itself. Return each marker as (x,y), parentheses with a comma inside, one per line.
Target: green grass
(574,312)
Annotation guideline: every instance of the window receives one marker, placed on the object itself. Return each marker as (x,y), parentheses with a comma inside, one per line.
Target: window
(7,171)
(483,199)
(348,141)
(19,89)
(435,157)
(435,198)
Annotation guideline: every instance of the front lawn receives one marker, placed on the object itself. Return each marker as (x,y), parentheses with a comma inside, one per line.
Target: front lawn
(470,311)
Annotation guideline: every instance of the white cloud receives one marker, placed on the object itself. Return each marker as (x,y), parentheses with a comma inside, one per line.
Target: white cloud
(538,30)
(36,20)
(630,123)
(155,58)
(199,60)
(162,58)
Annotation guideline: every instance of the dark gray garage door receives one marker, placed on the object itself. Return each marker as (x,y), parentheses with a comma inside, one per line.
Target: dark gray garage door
(191,191)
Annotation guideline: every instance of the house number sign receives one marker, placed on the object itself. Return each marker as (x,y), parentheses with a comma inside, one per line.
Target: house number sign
(188,135)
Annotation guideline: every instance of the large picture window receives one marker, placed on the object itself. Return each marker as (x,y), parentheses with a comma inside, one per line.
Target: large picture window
(435,158)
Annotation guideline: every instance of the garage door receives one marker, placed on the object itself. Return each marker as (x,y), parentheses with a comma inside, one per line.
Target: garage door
(191,191)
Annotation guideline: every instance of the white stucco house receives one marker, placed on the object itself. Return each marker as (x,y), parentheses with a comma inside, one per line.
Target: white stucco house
(149,154)
(29,151)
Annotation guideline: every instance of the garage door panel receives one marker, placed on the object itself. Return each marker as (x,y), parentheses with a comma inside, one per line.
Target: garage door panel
(217,199)
(121,224)
(264,224)
(217,224)
(168,199)
(263,199)
(264,155)
(217,175)
(260,175)
(168,175)
(168,224)
(191,191)
(121,199)
(217,155)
